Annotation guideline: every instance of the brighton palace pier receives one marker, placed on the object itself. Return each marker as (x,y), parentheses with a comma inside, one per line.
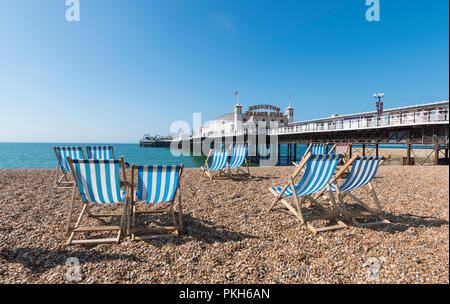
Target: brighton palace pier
(265,127)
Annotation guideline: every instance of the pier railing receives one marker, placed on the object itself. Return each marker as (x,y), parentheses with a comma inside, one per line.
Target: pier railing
(414,118)
(426,114)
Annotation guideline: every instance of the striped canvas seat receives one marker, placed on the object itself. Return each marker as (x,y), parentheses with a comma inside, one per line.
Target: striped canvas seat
(100,152)
(363,171)
(318,148)
(341,148)
(99,181)
(318,172)
(317,177)
(219,160)
(63,152)
(315,149)
(157,183)
(238,157)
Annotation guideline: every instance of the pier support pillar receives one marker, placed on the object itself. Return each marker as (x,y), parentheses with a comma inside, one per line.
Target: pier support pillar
(295,153)
(350,150)
(376,149)
(279,153)
(408,154)
(257,151)
(436,154)
(288,153)
(364,149)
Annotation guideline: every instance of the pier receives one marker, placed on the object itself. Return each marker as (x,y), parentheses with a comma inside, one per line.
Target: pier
(155,141)
(417,126)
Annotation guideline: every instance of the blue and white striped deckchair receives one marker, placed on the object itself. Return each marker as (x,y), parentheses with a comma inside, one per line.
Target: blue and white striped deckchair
(318,174)
(218,163)
(63,166)
(238,158)
(98,182)
(100,152)
(362,173)
(315,149)
(156,184)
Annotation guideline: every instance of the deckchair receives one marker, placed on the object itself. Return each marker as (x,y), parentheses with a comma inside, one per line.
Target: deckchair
(318,174)
(63,168)
(315,149)
(156,184)
(98,182)
(363,171)
(341,149)
(218,163)
(100,152)
(238,159)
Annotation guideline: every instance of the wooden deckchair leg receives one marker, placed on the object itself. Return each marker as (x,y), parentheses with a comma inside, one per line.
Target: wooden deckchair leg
(327,216)
(56,176)
(376,213)
(248,169)
(129,219)
(206,165)
(61,179)
(297,203)
(375,197)
(124,215)
(69,220)
(180,212)
(77,224)
(122,221)
(133,222)
(172,214)
(377,203)
(277,198)
(340,200)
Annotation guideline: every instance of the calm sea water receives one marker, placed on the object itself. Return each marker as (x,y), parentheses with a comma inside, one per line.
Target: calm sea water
(41,155)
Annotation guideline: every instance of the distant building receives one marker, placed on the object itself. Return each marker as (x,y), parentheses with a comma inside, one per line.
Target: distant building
(254,118)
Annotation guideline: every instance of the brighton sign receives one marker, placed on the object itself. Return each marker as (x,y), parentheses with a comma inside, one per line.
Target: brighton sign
(275,111)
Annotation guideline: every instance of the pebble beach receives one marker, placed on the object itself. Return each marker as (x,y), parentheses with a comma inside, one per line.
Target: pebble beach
(230,237)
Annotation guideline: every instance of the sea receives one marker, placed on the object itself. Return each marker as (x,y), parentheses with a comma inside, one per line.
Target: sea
(41,155)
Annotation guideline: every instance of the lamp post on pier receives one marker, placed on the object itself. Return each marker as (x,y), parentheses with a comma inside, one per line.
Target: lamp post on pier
(379,104)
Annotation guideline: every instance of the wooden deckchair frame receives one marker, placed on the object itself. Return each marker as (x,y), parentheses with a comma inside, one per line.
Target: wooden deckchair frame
(334,215)
(240,169)
(211,175)
(157,231)
(77,229)
(109,146)
(345,156)
(377,212)
(62,182)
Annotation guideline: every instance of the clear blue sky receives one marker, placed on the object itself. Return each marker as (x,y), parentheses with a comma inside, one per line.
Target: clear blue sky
(131,67)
